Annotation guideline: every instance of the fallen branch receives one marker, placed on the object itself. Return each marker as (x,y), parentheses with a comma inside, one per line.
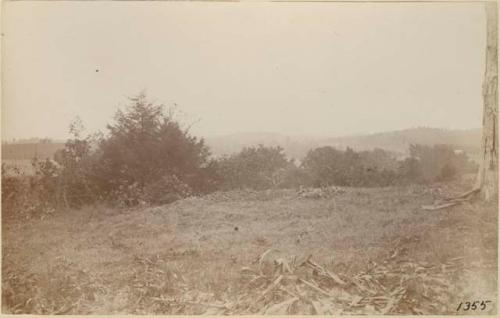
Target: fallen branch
(271,287)
(316,288)
(465,194)
(326,272)
(440,206)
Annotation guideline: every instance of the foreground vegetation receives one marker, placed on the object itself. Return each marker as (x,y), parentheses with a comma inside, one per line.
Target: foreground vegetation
(222,253)
(147,157)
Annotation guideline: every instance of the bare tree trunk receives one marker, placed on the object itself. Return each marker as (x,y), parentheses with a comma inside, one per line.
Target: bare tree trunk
(486,186)
(487,177)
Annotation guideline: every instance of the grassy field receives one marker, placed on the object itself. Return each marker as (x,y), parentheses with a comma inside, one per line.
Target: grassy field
(190,257)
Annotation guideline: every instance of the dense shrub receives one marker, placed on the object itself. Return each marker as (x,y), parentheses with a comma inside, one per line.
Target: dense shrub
(410,171)
(295,177)
(437,163)
(254,167)
(329,166)
(25,195)
(167,189)
(76,176)
(45,185)
(147,155)
(15,188)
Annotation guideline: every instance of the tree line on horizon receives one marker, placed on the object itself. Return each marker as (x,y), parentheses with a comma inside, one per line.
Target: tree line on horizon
(149,157)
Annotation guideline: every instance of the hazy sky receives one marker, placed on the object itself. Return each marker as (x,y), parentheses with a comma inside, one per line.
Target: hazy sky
(294,68)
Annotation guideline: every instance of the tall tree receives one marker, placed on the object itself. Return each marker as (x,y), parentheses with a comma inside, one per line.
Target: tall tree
(147,148)
(487,178)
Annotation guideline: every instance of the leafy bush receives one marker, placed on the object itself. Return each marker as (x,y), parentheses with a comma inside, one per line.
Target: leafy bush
(26,196)
(328,166)
(44,186)
(147,155)
(154,192)
(294,177)
(76,175)
(410,171)
(254,167)
(437,163)
(14,190)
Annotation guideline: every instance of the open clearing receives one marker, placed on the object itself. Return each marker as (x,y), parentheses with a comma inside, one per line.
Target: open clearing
(186,257)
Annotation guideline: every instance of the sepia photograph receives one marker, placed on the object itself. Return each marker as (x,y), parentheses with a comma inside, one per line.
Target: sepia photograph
(249,158)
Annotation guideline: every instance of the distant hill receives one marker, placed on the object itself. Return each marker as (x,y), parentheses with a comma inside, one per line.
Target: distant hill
(399,141)
(394,141)
(295,146)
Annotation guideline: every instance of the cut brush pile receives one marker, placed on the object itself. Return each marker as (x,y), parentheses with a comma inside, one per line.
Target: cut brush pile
(290,285)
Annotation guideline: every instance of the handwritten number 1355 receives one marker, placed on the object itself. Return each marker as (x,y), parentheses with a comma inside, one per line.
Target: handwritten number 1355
(466,306)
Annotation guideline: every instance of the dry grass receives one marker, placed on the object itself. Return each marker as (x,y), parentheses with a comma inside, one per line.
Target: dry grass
(203,255)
